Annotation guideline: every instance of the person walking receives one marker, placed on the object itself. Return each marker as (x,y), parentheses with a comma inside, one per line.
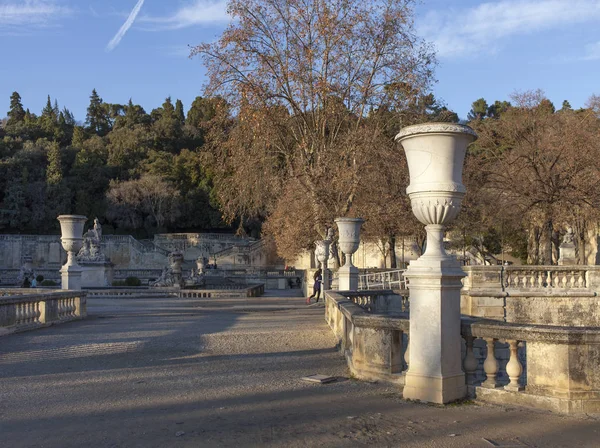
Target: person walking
(318,278)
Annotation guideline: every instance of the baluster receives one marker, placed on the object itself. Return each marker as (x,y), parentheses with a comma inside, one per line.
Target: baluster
(548,279)
(556,279)
(515,279)
(18,313)
(470,363)
(573,275)
(29,312)
(581,280)
(533,279)
(564,280)
(407,353)
(540,279)
(490,365)
(38,312)
(514,369)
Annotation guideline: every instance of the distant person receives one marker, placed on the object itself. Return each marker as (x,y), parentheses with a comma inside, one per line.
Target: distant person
(298,282)
(318,278)
(34,283)
(26,283)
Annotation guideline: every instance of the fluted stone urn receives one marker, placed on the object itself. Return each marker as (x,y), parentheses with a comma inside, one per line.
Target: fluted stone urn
(322,254)
(435,153)
(71,227)
(349,242)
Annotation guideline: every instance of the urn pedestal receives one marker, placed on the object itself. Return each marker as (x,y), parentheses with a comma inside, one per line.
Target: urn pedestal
(435,153)
(71,227)
(349,241)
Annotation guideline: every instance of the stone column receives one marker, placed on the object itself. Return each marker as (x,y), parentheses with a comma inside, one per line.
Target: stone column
(72,241)
(435,153)
(349,230)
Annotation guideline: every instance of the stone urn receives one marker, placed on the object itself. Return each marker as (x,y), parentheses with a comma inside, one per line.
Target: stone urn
(71,227)
(349,242)
(322,254)
(435,153)
(175,262)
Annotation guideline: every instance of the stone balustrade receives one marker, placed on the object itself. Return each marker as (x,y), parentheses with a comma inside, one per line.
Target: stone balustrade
(144,293)
(541,366)
(22,310)
(545,295)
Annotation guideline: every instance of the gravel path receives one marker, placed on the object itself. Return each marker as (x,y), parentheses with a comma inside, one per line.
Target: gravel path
(176,373)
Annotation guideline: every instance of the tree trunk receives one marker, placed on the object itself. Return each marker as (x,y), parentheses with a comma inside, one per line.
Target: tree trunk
(392,242)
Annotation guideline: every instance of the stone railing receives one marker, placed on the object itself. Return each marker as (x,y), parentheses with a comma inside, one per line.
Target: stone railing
(251,291)
(506,278)
(380,301)
(148,293)
(382,280)
(544,295)
(22,310)
(545,367)
(558,277)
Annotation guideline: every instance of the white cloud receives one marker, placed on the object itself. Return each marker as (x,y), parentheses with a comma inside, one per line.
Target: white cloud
(128,23)
(30,13)
(196,12)
(479,29)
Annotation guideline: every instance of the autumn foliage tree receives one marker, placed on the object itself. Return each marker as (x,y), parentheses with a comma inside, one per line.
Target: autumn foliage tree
(540,169)
(300,78)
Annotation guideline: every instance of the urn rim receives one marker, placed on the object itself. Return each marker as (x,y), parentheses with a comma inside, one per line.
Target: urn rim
(435,128)
(72,217)
(357,220)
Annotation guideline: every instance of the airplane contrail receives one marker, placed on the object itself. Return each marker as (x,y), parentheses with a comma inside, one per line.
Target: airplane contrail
(123,30)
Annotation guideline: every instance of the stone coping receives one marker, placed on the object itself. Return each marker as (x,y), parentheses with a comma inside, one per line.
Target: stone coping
(481,328)
(40,296)
(532,292)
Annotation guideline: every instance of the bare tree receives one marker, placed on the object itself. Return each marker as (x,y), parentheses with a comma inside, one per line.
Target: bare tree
(301,78)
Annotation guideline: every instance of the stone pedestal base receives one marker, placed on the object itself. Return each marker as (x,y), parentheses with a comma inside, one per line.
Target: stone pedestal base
(434,389)
(96,274)
(71,278)
(567,255)
(348,278)
(435,365)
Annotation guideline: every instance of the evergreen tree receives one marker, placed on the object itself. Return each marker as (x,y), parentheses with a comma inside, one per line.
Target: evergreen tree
(49,119)
(479,110)
(566,106)
(54,173)
(498,108)
(16,114)
(97,119)
(179,111)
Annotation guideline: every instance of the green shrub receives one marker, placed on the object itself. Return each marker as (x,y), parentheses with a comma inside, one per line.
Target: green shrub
(39,278)
(118,283)
(133,281)
(48,283)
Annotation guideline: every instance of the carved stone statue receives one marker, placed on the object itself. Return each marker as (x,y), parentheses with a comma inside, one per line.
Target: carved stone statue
(92,244)
(569,236)
(171,276)
(567,249)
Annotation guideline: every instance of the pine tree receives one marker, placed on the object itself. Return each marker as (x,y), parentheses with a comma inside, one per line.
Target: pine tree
(179,111)
(49,119)
(478,110)
(16,114)
(54,171)
(566,106)
(97,119)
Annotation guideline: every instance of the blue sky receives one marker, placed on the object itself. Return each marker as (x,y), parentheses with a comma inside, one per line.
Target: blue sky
(139,48)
